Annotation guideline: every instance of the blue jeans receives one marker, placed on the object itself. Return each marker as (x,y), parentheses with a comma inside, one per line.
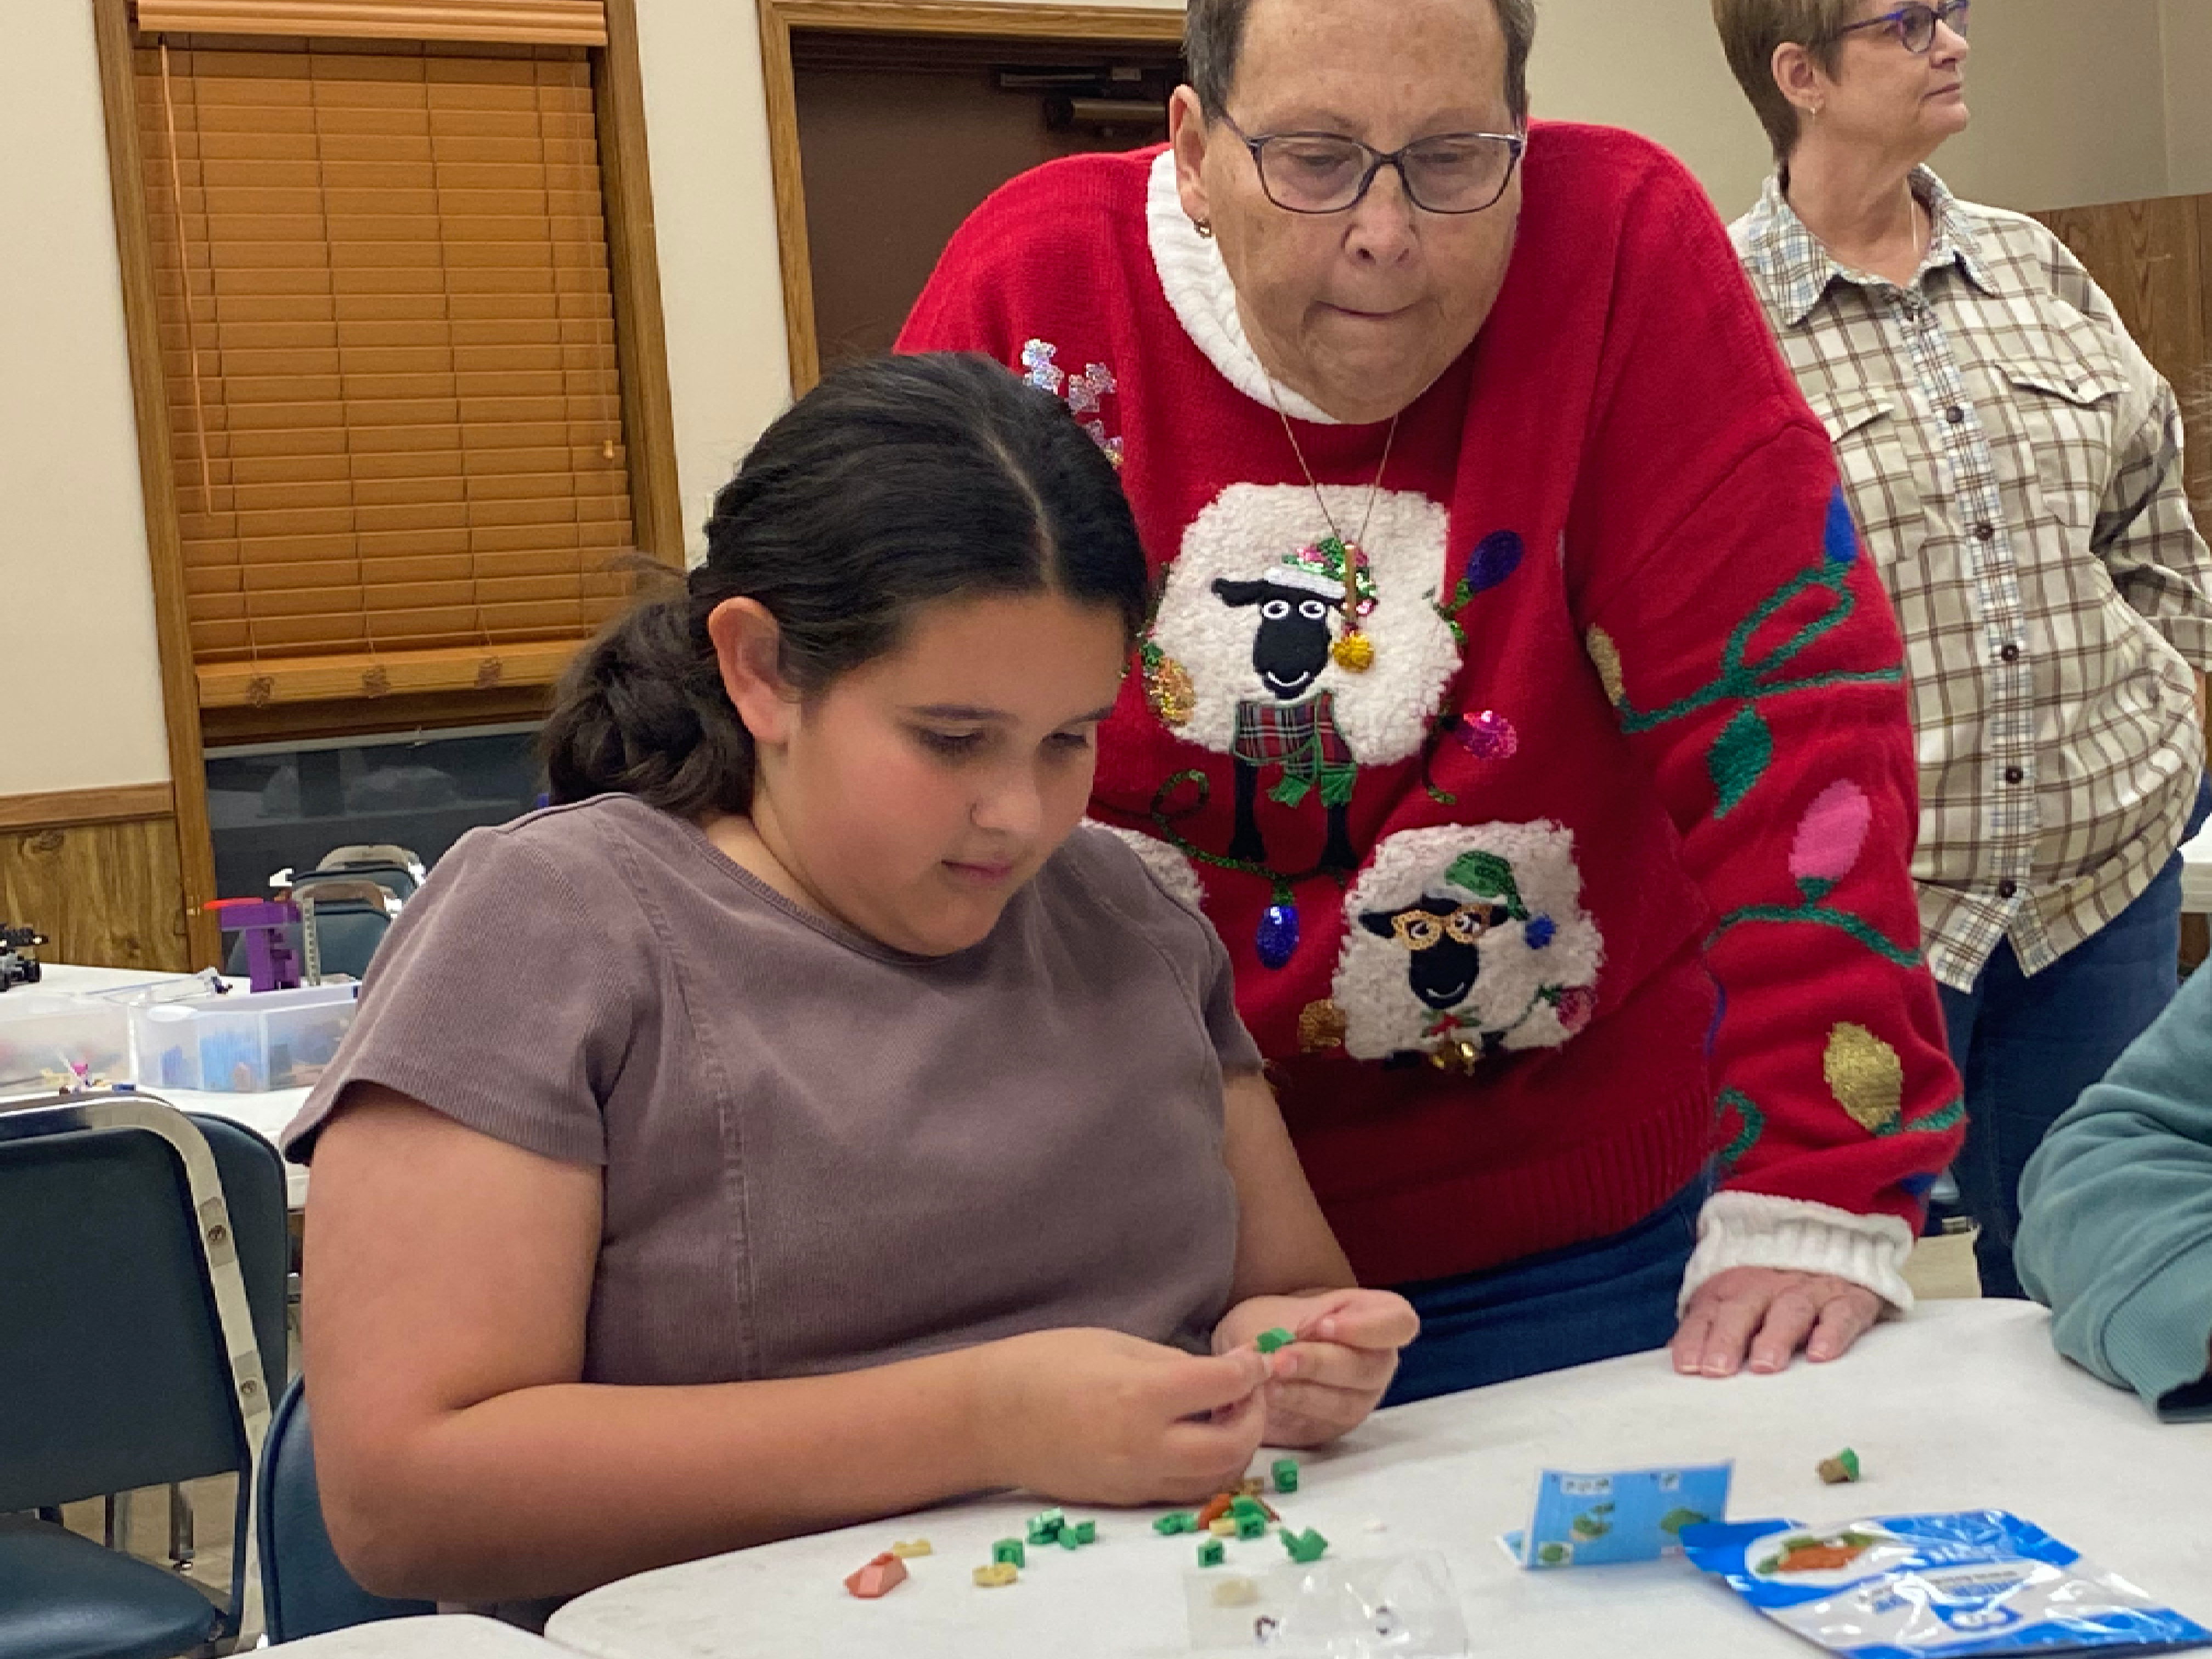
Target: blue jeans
(2028,1047)
(1595,1301)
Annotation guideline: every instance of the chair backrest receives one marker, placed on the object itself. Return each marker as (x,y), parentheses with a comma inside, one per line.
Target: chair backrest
(347,935)
(376,858)
(144,1256)
(305,1589)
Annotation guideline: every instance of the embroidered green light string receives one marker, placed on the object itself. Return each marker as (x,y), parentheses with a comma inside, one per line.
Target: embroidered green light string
(1741,680)
(1755,1124)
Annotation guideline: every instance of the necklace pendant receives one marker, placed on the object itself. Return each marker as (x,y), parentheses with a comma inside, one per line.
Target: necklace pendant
(1353,651)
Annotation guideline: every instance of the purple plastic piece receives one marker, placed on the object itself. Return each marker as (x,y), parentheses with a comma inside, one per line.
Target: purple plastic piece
(270,964)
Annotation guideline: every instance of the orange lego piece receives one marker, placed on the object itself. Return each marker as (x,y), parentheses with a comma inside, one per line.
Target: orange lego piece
(1216,1507)
(879,1577)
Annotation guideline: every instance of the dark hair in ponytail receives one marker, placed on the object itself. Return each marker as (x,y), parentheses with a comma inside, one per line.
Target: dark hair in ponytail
(895,483)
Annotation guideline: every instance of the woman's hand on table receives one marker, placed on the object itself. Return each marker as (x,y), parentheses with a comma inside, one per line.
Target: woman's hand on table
(1765,1315)
(1325,1383)
(1099,1417)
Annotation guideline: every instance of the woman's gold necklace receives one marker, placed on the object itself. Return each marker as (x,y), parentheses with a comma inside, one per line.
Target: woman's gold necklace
(1353,653)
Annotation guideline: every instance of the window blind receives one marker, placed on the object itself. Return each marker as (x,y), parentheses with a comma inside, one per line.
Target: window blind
(545,22)
(388,347)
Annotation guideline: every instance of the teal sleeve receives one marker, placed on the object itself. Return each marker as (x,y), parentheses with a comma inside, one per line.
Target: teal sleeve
(2115,1227)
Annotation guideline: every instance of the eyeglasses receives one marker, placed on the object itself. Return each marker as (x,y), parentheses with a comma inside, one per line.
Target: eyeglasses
(1424,930)
(1916,24)
(1327,173)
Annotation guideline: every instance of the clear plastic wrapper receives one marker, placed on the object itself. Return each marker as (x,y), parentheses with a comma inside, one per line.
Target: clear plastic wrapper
(1400,1607)
(1973,1583)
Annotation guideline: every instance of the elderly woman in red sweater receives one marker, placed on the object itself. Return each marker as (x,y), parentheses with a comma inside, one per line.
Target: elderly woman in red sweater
(1518,700)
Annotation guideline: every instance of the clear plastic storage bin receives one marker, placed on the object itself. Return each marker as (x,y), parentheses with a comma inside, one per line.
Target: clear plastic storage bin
(243,1042)
(47,1038)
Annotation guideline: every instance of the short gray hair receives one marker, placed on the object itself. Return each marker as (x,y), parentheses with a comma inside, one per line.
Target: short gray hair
(1213,30)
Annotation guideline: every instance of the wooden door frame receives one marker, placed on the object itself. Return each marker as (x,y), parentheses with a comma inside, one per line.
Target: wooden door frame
(141,328)
(642,359)
(1121,25)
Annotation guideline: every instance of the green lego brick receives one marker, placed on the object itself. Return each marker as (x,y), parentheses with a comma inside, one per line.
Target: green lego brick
(1251,1526)
(1181,1521)
(1010,1551)
(1044,1526)
(1285,1470)
(1241,1505)
(1304,1546)
(1841,1469)
(1086,1532)
(1070,1538)
(1213,1553)
(1269,1341)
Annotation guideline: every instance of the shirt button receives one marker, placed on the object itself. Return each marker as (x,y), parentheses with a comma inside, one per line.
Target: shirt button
(2011,653)
(2014,774)
(1954,415)
(1985,532)
(2007,889)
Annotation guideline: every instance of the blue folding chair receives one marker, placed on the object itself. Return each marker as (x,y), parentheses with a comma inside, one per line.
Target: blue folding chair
(144,1254)
(305,1589)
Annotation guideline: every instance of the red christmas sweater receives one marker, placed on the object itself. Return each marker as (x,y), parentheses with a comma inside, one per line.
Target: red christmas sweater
(1585,865)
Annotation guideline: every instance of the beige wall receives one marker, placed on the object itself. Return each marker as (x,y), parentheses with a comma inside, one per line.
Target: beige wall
(714,226)
(2068,103)
(2075,101)
(80,692)
(2186,28)
(1654,66)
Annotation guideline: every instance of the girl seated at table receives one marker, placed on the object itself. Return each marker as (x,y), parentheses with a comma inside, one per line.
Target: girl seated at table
(803,1120)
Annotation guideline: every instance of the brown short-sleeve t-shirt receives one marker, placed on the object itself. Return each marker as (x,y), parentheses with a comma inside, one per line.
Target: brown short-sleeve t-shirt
(821,1153)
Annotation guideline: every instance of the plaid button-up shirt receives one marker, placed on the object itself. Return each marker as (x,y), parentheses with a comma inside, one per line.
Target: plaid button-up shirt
(2014,465)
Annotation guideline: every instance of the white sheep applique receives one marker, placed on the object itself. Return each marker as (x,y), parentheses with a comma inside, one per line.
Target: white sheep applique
(1463,941)
(1242,658)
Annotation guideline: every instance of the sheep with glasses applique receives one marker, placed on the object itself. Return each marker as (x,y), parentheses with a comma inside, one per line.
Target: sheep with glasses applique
(1463,942)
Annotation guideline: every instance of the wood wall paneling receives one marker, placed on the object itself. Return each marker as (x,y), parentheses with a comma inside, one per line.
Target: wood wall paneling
(63,808)
(110,895)
(2151,257)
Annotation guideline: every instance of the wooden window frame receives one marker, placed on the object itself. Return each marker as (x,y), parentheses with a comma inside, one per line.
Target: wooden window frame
(321,698)
(1116,25)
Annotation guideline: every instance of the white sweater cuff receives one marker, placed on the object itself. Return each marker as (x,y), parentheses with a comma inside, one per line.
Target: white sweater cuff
(1755,1230)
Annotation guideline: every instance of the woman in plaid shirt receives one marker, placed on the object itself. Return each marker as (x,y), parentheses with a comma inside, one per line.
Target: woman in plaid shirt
(2014,464)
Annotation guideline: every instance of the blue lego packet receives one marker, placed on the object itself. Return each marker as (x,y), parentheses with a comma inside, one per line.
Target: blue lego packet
(1980,1582)
(1635,1515)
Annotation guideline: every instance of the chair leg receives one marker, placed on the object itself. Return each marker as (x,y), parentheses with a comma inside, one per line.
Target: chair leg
(181,1540)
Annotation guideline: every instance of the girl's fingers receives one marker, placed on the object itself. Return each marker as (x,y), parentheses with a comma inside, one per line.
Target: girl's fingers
(1366,1319)
(1337,1367)
(1197,1385)
(1225,1442)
